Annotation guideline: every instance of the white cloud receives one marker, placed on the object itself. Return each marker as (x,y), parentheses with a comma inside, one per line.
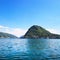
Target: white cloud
(56,31)
(15,31)
(3,26)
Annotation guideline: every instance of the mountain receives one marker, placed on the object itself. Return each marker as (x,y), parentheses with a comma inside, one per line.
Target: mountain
(6,35)
(39,32)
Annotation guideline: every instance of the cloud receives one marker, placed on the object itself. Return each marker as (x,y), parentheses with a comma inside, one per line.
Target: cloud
(15,31)
(56,31)
(3,26)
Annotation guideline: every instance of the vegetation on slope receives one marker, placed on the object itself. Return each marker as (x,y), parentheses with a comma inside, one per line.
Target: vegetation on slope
(39,32)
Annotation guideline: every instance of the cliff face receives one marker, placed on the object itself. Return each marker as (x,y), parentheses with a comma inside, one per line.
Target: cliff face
(39,32)
(6,35)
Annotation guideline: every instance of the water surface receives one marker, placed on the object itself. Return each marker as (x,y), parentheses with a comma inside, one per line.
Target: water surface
(30,49)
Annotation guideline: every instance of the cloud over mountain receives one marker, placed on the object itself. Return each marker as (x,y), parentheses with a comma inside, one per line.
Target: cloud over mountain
(15,31)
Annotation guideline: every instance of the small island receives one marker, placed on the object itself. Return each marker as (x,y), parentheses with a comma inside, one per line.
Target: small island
(39,32)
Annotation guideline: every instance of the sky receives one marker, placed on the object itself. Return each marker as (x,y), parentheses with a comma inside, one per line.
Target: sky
(16,16)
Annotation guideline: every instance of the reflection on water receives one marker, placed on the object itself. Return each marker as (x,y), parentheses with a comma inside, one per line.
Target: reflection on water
(30,49)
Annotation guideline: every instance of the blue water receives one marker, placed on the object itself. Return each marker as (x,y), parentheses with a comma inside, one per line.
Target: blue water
(29,49)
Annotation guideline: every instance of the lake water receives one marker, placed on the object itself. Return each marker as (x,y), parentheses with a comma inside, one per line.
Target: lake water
(29,49)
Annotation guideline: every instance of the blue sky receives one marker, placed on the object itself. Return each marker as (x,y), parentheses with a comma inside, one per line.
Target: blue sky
(25,13)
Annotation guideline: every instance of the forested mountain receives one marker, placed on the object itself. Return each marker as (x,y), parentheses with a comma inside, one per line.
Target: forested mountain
(39,32)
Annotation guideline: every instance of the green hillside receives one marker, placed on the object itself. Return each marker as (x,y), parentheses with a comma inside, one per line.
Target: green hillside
(39,32)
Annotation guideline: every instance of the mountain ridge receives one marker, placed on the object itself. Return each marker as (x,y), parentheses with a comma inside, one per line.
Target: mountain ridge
(7,35)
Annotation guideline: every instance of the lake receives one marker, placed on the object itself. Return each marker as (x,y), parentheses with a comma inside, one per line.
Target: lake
(29,49)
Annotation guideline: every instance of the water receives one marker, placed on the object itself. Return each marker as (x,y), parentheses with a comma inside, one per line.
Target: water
(29,49)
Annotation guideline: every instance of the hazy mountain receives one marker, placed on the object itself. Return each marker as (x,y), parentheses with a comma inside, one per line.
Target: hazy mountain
(39,32)
(6,35)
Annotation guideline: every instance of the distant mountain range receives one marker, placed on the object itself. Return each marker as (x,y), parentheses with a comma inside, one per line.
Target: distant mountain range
(6,35)
(39,32)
